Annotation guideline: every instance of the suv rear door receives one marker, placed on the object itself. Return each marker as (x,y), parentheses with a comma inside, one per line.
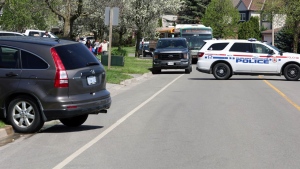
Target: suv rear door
(10,71)
(85,73)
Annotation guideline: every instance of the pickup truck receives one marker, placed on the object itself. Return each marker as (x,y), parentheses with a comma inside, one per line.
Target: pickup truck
(171,53)
(39,33)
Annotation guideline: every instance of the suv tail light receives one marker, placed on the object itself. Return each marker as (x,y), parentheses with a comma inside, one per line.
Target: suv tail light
(61,76)
(200,54)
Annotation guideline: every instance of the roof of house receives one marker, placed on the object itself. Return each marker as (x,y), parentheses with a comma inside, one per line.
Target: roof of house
(235,2)
(253,5)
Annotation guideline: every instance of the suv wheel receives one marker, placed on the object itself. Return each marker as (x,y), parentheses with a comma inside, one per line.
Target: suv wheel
(221,71)
(24,115)
(74,121)
(292,72)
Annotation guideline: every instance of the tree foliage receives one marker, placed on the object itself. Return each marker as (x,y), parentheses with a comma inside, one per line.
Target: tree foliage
(223,17)
(21,14)
(192,12)
(249,29)
(290,9)
(284,40)
(143,14)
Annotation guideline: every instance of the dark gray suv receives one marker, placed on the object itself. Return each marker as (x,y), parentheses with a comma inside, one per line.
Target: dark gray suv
(172,53)
(43,79)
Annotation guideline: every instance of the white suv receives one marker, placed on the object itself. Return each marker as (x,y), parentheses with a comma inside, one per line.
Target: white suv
(224,58)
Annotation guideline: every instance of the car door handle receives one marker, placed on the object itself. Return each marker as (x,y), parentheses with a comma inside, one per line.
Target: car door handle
(11,74)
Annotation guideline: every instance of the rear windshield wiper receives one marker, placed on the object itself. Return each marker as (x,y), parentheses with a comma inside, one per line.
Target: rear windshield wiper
(92,63)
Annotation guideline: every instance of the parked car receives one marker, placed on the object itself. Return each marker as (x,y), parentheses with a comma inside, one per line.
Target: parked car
(8,33)
(224,58)
(172,53)
(145,50)
(43,79)
(38,33)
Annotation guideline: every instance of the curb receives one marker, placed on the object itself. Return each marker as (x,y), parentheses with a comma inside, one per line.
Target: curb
(6,131)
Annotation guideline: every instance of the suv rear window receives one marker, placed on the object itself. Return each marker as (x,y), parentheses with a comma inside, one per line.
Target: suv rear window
(75,56)
(218,46)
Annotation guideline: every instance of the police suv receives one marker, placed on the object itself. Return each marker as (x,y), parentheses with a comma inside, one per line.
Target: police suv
(224,58)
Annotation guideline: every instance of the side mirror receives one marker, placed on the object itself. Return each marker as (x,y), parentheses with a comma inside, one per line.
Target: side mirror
(280,52)
(271,52)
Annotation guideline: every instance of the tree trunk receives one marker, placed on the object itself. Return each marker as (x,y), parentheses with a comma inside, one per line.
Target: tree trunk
(296,37)
(67,28)
(137,44)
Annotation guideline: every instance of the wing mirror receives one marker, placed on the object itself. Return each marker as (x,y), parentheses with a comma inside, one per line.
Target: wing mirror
(271,52)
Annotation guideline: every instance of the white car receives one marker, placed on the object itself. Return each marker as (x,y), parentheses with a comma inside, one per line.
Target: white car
(224,58)
(8,33)
(38,33)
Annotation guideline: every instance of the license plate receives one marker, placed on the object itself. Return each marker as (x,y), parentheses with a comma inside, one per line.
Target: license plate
(91,80)
(170,63)
(195,56)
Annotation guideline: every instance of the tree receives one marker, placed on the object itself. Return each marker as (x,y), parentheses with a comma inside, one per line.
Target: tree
(284,40)
(20,14)
(192,12)
(144,14)
(223,17)
(290,10)
(249,29)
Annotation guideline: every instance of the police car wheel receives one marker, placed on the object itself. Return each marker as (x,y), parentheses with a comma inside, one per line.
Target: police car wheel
(221,71)
(292,72)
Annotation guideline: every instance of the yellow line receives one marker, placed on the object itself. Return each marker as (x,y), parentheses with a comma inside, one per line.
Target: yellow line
(282,94)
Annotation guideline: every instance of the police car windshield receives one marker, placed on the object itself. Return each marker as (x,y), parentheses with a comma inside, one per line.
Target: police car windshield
(273,47)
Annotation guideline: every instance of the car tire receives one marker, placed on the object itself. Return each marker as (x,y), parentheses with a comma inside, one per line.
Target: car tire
(156,71)
(74,121)
(24,115)
(221,71)
(188,70)
(291,72)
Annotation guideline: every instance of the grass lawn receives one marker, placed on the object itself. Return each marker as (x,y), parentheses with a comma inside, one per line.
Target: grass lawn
(2,124)
(132,65)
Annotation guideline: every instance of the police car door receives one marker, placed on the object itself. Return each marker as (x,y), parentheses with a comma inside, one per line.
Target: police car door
(241,54)
(264,62)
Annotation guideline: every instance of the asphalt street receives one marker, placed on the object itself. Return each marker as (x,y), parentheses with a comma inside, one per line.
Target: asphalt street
(176,120)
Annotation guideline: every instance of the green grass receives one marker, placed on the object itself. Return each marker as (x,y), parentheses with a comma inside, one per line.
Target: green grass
(132,65)
(2,124)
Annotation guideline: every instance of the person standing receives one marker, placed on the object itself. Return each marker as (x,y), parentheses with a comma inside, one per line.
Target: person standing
(89,45)
(47,35)
(103,46)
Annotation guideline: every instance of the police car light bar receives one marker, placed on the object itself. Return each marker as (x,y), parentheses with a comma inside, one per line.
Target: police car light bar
(251,39)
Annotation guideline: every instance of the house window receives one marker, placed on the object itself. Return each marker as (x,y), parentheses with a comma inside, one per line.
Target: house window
(243,17)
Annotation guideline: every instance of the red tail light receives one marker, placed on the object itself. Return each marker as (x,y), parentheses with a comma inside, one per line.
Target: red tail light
(61,76)
(200,54)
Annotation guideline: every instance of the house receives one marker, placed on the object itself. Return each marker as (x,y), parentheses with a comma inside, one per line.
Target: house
(254,8)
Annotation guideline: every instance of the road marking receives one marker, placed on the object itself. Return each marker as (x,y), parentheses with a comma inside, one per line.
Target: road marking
(283,95)
(108,130)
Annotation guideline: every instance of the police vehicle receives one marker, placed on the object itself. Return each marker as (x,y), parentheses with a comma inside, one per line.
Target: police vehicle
(224,58)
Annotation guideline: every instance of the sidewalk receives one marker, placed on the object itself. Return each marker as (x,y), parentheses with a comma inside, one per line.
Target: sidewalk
(112,88)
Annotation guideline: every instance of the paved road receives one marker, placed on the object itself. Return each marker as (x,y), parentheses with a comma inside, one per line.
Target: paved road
(175,120)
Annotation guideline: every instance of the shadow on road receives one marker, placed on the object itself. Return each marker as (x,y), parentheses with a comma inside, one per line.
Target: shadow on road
(250,79)
(60,128)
